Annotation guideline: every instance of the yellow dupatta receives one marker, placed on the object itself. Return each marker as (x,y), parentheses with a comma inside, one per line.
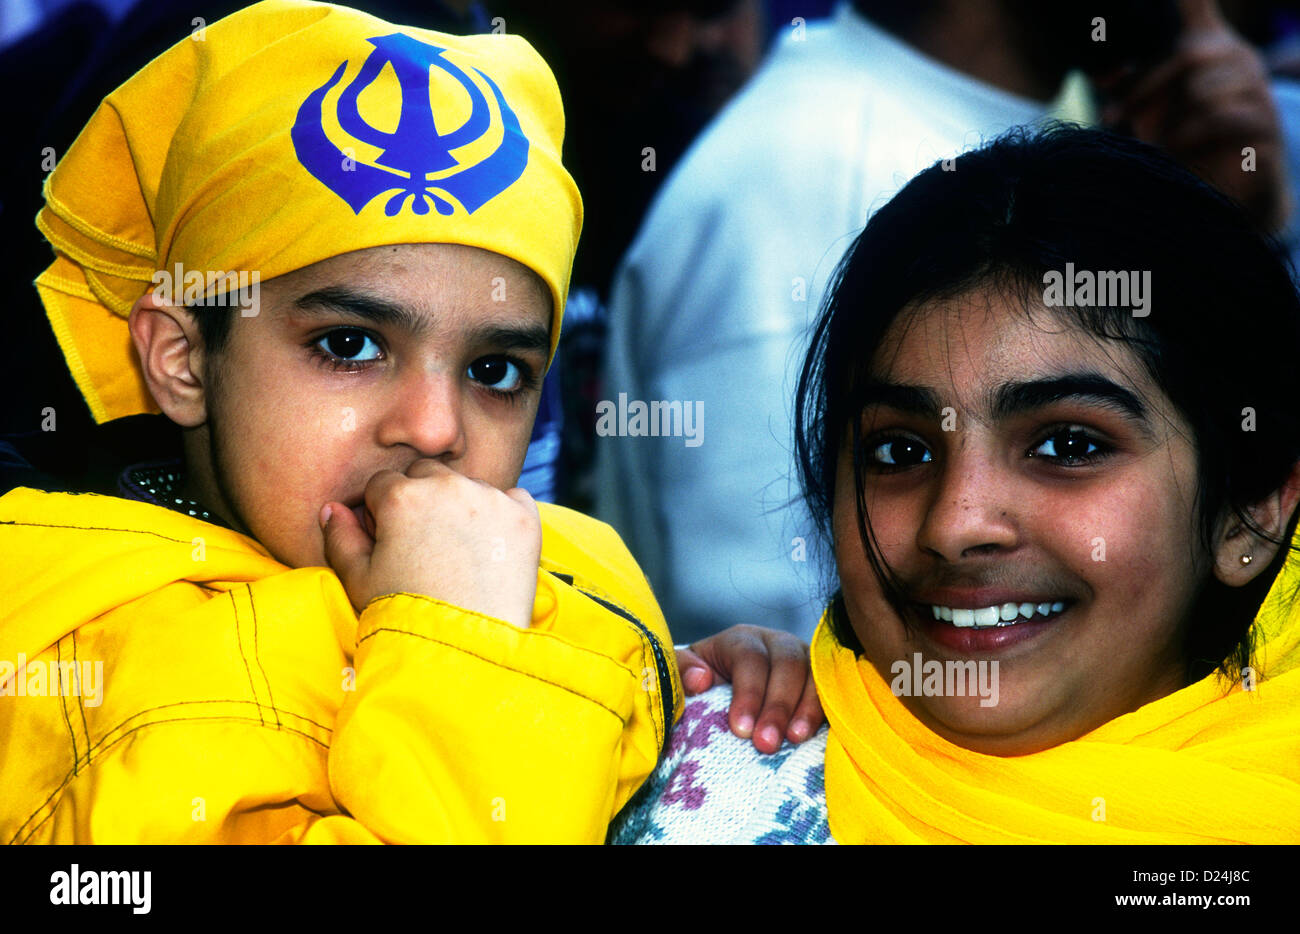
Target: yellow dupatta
(1207,764)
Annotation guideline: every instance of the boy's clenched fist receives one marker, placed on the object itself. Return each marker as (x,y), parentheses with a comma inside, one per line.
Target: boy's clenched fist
(438,533)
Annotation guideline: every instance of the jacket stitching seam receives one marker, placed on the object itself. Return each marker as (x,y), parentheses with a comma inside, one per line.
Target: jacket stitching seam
(460,609)
(215,700)
(257,656)
(239,641)
(85,727)
(489,661)
(67,780)
(63,706)
(93,528)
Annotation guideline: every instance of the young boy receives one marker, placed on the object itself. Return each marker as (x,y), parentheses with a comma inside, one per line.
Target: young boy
(337,621)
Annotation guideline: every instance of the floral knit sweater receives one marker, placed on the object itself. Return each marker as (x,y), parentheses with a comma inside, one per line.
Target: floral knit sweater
(713,787)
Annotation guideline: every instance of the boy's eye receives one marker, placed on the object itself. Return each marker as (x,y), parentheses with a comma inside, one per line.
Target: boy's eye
(497,373)
(1068,446)
(350,344)
(900,452)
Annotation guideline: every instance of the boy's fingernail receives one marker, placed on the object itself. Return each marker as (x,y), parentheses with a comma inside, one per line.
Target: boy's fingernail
(325,513)
(745,725)
(770,736)
(800,730)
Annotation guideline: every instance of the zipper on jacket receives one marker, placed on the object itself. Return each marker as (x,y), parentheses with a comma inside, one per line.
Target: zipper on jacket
(666,693)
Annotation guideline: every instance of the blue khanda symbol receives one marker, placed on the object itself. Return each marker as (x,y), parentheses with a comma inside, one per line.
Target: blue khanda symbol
(416,150)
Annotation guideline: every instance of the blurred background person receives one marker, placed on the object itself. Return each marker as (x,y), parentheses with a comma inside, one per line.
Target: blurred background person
(1206,98)
(640,79)
(1273,26)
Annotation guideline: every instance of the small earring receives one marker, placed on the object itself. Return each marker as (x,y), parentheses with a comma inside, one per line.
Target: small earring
(1246,559)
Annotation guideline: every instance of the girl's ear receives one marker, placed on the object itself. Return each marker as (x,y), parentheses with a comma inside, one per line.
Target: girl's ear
(1239,552)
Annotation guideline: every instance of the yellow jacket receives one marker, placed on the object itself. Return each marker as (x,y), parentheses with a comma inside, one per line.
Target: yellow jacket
(239,701)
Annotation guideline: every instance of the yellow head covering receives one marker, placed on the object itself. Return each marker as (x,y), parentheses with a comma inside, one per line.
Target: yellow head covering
(1201,765)
(288,133)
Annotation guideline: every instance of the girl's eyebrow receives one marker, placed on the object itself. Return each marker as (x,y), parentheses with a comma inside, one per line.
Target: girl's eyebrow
(914,400)
(1017,398)
(1090,388)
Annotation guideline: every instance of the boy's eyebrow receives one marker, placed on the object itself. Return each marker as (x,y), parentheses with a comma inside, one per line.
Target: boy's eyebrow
(336,299)
(1092,388)
(341,300)
(523,337)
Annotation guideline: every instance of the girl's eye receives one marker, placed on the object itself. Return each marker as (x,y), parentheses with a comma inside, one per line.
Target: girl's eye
(1068,447)
(900,452)
(349,345)
(497,373)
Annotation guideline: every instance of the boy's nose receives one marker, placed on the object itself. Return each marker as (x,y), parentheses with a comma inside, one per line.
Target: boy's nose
(972,510)
(426,413)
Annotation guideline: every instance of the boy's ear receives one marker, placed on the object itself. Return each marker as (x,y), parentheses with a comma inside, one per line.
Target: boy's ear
(167,341)
(1240,553)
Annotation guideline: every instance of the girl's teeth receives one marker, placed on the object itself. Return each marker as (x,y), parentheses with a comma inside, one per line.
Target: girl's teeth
(1007,614)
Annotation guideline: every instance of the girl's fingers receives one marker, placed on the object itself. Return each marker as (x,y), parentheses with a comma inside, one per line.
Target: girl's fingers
(808,716)
(749,676)
(696,674)
(788,678)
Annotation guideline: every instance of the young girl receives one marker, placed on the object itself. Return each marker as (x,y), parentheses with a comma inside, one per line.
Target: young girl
(1047,425)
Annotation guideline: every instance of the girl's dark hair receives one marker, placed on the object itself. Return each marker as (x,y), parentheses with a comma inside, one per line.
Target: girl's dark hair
(1222,335)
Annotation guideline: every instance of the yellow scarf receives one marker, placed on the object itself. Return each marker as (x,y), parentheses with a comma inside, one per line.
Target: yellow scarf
(285,134)
(1198,766)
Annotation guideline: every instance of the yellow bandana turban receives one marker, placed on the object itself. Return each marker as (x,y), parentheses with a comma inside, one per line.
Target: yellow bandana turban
(285,134)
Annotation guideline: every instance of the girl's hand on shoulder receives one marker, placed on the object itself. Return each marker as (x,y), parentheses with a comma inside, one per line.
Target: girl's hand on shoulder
(772,694)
